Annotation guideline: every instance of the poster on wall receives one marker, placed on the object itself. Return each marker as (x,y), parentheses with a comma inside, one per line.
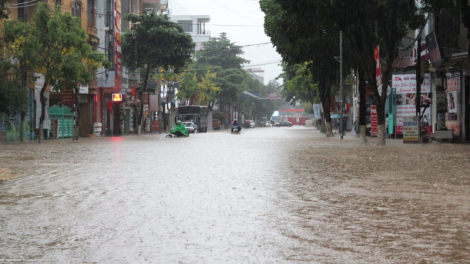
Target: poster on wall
(453,107)
(405,98)
(452,102)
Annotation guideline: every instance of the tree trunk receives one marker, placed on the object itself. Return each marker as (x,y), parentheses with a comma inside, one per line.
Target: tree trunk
(381,136)
(76,127)
(42,99)
(23,126)
(325,97)
(144,89)
(363,133)
(362,107)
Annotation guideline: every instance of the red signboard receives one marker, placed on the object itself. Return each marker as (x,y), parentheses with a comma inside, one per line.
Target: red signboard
(66,96)
(155,125)
(374,121)
(117,97)
(273,96)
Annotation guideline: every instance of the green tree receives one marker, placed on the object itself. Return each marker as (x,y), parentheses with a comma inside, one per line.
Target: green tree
(304,33)
(222,56)
(60,48)
(219,52)
(207,90)
(19,51)
(156,42)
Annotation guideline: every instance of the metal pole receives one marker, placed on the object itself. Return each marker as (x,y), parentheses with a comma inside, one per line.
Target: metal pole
(341,83)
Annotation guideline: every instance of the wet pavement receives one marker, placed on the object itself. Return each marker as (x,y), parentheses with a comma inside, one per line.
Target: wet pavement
(267,195)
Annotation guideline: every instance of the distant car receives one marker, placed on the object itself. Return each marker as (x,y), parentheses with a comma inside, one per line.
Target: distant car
(216,124)
(283,123)
(249,123)
(190,126)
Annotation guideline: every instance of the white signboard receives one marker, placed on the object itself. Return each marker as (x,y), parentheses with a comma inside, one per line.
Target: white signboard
(406,83)
(405,97)
(316,111)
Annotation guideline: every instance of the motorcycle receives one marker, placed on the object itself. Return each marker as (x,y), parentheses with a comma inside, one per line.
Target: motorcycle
(236,129)
(178,131)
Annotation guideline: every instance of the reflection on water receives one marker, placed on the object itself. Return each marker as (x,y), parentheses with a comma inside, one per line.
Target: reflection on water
(285,195)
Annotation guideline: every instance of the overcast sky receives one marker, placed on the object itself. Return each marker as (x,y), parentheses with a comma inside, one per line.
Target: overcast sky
(243,21)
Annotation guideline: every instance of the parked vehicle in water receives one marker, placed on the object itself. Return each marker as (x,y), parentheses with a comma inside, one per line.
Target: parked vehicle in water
(216,124)
(196,114)
(250,124)
(283,123)
(190,126)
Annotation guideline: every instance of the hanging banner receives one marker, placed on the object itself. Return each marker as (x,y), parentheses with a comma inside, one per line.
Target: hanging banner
(453,107)
(374,121)
(378,72)
(434,53)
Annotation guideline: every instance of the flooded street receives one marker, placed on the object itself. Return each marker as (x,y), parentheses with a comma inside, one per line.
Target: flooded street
(268,195)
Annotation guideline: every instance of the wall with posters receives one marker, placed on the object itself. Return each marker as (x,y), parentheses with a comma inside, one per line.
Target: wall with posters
(405,98)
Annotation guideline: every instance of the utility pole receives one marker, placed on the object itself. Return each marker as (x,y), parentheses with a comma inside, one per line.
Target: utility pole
(418,86)
(341,83)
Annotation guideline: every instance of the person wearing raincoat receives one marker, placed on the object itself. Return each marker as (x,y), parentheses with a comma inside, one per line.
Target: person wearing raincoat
(179,130)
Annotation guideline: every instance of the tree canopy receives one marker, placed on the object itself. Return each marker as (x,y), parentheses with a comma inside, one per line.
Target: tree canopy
(155,42)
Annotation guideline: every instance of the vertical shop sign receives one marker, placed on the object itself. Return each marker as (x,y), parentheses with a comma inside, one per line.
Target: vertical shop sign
(410,129)
(374,121)
(316,111)
(117,47)
(453,106)
(146,103)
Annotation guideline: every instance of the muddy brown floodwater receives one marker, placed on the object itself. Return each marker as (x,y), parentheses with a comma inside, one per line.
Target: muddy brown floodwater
(268,195)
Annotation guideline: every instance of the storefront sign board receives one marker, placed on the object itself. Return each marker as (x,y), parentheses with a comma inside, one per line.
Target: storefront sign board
(374,121)
(410,129)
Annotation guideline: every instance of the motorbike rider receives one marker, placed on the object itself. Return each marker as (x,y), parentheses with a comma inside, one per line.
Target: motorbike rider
(236,126)
(179,130)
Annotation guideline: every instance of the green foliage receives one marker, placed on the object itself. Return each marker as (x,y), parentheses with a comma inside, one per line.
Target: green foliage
(4,11)
(219,52)
(216,114)
(13,97)
(18,51)
(156,42)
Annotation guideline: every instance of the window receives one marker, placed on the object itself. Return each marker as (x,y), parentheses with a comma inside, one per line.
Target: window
(187,25)
(77,9)
(91,10)
(58,2)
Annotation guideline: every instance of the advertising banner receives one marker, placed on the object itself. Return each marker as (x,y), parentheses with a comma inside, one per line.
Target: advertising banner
(374,121)
(410,129)
(453,107)
(434,53)
(316,111)
(378,72)
(405,97)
